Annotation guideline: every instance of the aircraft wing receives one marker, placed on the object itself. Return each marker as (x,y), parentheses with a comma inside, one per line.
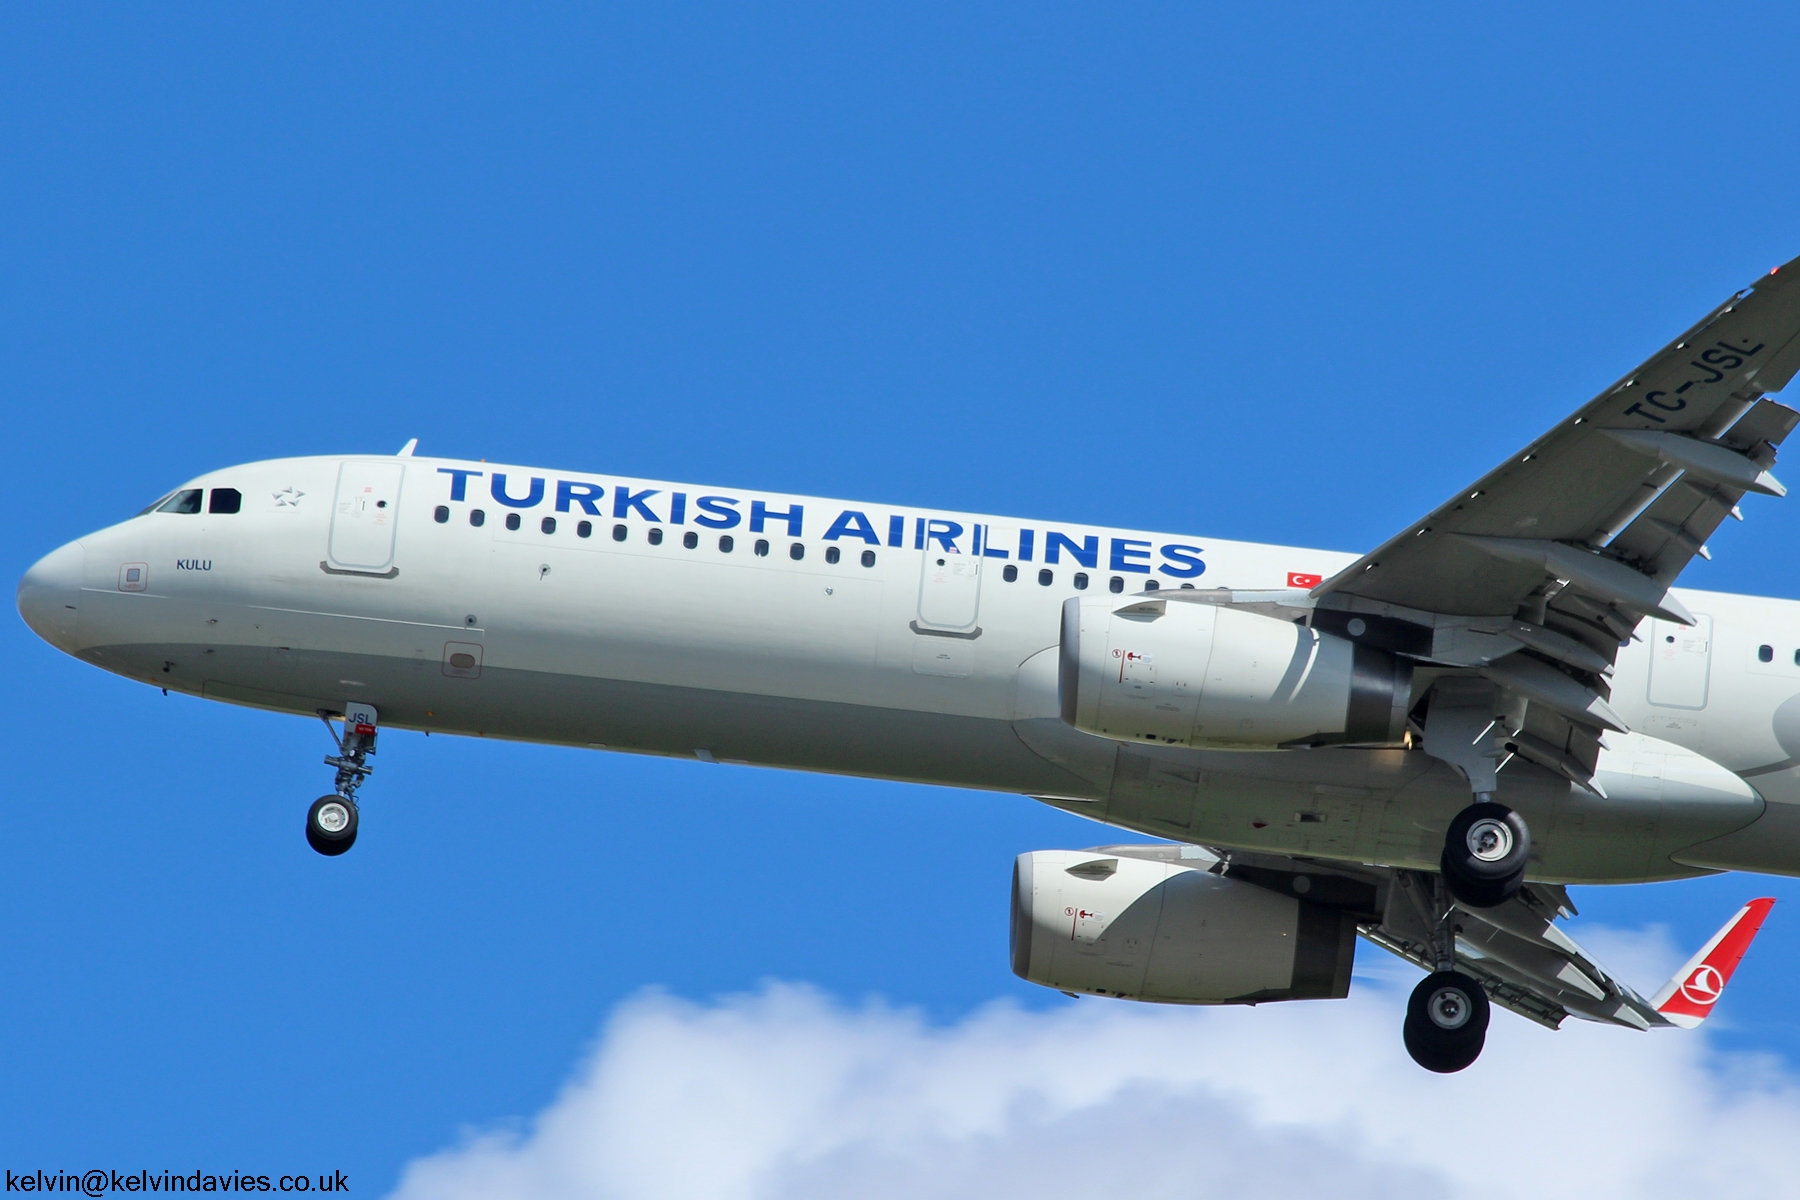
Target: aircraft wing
(1562,550)
(1516,952)
(1617,499)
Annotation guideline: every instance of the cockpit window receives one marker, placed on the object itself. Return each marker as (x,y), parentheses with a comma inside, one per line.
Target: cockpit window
(153,505)
(225,500)
(187,500)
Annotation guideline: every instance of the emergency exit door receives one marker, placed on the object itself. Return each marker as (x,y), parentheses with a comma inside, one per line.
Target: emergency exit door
(1680,661)
(364,514)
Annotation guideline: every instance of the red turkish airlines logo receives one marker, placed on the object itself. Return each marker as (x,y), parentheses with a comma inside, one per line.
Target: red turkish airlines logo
(1703,986)
(1299,579)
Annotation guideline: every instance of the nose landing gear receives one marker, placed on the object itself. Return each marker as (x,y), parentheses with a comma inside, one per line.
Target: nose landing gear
(331,822)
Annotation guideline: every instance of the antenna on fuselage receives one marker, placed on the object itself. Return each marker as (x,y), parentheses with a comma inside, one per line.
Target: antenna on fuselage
(406,450)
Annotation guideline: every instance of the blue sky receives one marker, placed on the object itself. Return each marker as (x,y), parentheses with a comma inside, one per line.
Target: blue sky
(1281,272)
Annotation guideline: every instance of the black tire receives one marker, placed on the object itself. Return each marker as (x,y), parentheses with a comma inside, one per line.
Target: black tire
(1486,841)
(1480,893)
(326,812)
(1446,1022)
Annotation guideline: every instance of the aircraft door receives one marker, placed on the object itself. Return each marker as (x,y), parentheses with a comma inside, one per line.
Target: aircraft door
(363,517)
(949,590)
(1680,660)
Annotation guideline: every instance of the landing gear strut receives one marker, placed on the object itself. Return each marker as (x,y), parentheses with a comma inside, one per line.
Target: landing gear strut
(331,822)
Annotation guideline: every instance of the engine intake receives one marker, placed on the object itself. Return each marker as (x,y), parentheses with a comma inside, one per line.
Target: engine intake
(1213,676)
(1105,923)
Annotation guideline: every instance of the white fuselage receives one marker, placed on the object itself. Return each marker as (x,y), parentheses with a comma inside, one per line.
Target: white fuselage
(861,639)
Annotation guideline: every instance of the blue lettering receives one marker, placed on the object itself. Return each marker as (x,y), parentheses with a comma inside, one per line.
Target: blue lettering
(944,533)
(896,530)
(1087,554)
(1187,566)
(584,494)
(919,534)
(1026,537)
(624,500)
(1124,549)
(720,516)
(459,480)
(678,508)
(855,524)
(498,487)
(759,513)
(983,548)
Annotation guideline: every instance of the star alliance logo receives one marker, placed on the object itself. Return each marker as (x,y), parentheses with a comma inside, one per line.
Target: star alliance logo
(288,498)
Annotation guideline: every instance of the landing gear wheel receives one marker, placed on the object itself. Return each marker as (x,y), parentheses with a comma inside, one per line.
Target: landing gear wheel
(1484,854)
(1480,893)
(1446,1022)
(331,825)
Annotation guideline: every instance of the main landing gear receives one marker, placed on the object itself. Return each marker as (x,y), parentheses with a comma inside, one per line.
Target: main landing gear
(1484,854)
(1446,1022)
(1487,844)
(1447,1015)
(331,821)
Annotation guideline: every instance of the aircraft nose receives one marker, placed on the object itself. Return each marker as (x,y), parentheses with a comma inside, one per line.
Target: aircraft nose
(50,594)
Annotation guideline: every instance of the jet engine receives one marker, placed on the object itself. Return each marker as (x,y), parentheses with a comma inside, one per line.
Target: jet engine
(1110,924)
(1208,675)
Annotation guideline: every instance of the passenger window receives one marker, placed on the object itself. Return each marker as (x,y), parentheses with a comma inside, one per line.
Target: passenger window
(869,561)
(618,533)
(441,514)
(225,500)
(690,539)
(726,543)
(1150,585)
(1081,581)
(1046,577)
(761,548)
(796,552)
(1117,584)
(548,525)
(1010,574)
(1765,654)
(477,518)
(831,554)
(187,500)
(512,520)
(655,536)
(584,529)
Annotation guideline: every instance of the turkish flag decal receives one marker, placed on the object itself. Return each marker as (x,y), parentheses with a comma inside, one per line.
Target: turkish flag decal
(1299,579)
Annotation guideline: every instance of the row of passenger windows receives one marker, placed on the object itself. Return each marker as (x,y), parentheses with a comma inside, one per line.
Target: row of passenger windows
(187,500)
(796,551)
(1046,577)
(1767,654)
(689,539)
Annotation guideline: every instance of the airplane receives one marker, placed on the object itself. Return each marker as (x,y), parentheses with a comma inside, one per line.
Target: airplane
(1420,747)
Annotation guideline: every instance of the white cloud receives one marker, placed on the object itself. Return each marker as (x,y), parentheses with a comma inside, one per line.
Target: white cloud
(786,1093)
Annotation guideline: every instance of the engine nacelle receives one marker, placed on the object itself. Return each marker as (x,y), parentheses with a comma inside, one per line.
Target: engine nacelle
(1208,675)
(1106,923)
